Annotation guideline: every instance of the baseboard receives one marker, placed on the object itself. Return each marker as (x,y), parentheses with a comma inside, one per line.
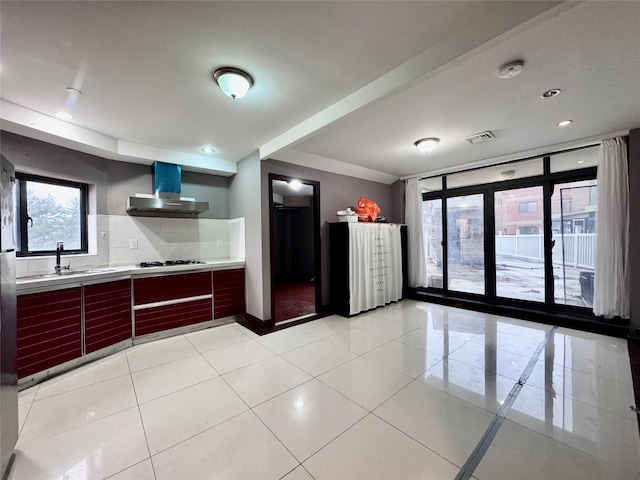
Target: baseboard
(255,324)
(588,323)
(262,327)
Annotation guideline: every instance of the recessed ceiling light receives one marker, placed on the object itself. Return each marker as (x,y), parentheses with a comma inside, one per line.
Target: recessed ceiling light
(208,150)
(564,123)
(62,115)
(511,69)
(508,173)
(580,162)
(425,145)
(550,93)
(73,91)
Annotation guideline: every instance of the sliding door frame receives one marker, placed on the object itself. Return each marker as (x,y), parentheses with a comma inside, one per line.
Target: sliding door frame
(547,181)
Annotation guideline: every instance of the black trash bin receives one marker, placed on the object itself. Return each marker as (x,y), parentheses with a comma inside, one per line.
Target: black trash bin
(586,287)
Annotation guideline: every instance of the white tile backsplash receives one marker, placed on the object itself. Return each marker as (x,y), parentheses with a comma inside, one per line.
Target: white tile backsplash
(92,231)
(213,230)
(159,239)
(124,223)
(236,239)
(42,264)
(103,223)
(121,239)
(22,267)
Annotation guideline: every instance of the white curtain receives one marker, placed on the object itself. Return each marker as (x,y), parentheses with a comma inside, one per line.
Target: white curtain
(611,284)
(375,265)
(413,218)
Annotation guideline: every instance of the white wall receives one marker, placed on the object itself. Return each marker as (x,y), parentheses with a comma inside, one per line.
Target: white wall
(245,201)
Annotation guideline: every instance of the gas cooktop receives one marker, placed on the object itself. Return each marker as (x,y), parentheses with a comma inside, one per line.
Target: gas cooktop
(169,263)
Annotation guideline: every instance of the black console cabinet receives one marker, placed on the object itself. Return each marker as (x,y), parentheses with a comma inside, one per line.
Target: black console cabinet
(339,265)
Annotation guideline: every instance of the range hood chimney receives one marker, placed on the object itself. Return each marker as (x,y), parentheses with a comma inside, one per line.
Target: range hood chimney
(166,200)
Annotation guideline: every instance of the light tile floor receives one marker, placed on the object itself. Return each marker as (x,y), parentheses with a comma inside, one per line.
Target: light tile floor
(405,391)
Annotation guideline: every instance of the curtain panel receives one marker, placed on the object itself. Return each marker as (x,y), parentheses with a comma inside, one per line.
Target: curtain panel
(611,282)
(417,270)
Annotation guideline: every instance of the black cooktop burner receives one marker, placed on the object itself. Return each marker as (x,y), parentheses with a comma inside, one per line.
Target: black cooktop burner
(151,264)
(169,263)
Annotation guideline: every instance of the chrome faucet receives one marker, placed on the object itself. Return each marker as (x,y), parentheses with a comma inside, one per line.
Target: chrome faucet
(59,250)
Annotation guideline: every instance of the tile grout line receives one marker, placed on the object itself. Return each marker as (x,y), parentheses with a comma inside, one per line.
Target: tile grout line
(251,409)
(144,430)
(490,433)
(21,427)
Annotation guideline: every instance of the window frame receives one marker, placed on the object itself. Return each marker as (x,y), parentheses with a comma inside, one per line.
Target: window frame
(548,181)
(23,217)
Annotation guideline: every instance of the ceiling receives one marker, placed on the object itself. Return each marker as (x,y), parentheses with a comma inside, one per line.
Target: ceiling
(340,86)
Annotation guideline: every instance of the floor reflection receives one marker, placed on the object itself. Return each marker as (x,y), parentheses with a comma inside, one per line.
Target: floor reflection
(333,392)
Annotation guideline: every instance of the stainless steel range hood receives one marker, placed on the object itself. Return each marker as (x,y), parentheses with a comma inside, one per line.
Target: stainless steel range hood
(166,200)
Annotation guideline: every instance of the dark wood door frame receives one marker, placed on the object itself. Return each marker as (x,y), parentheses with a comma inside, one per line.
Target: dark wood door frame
(317,253)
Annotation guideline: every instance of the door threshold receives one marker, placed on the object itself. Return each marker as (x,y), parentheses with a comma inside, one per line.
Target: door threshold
(295,319)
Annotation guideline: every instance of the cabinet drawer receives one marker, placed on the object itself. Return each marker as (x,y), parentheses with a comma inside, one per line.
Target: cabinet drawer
(171,287)
(166,317)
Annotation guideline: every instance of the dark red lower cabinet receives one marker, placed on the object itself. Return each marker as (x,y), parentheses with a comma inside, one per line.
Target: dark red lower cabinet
(48,329)
(228,293)
(107,314)
(50,324)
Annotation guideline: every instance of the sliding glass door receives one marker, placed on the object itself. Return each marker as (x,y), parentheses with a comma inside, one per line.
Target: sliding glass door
(465,243)
(525,232)
(432,224)
(573,216)
(519,243)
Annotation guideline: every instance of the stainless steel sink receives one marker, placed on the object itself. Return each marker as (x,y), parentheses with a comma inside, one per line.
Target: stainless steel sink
(67,273)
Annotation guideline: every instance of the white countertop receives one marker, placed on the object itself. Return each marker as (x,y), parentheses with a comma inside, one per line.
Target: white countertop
(95,275)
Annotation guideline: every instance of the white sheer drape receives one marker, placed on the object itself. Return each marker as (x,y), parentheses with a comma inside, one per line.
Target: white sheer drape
(413,218)
(611,283)
(375,265)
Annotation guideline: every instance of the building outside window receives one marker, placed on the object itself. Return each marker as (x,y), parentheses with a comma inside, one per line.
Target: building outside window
(524,207)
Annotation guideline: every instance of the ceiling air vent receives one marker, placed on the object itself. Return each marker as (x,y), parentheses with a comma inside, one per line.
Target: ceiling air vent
(480,137)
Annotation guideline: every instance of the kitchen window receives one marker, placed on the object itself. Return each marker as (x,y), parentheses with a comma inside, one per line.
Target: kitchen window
(49,211)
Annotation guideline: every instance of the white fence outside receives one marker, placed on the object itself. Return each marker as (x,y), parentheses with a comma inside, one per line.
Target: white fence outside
(579,248)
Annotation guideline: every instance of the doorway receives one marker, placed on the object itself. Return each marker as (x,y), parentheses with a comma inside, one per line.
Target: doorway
(295,248)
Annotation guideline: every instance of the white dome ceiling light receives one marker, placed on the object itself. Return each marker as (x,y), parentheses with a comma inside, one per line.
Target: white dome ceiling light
(425,145)
(233,82)
(512,69)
